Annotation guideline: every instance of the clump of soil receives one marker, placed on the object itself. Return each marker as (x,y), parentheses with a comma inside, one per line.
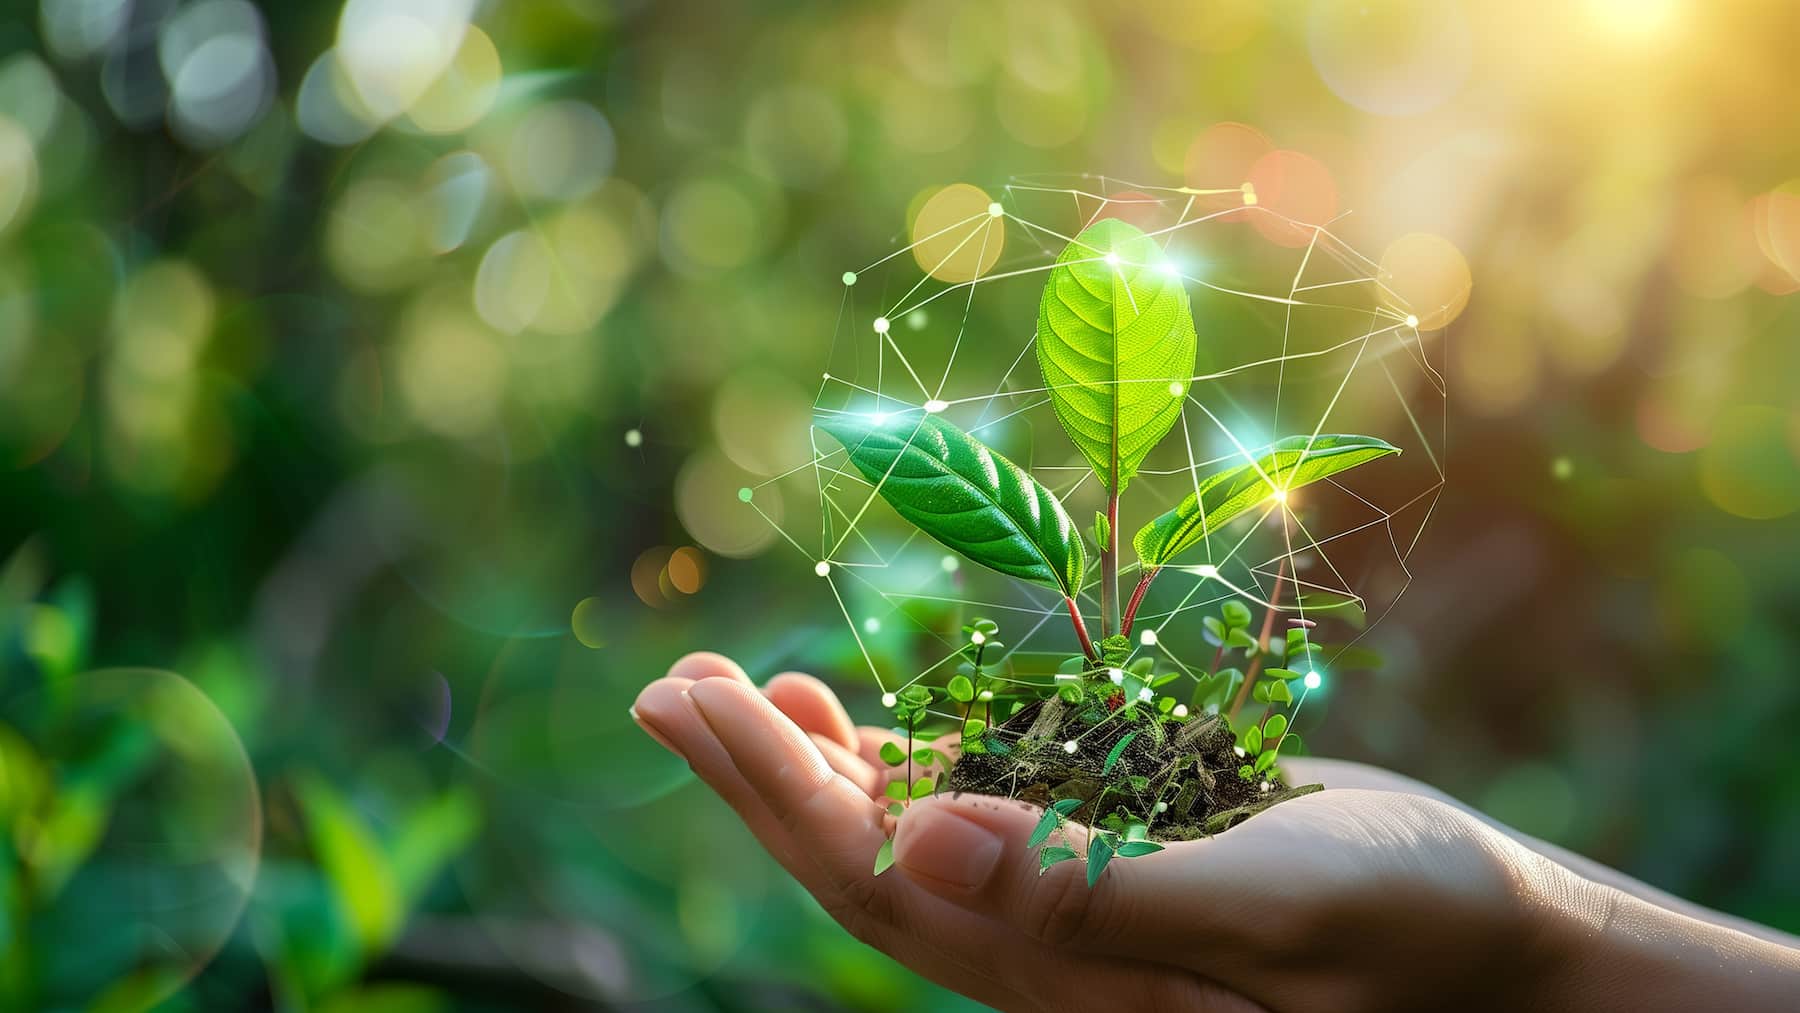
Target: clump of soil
(1190,764)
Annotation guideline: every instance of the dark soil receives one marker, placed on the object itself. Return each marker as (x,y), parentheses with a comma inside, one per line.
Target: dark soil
(1190,764)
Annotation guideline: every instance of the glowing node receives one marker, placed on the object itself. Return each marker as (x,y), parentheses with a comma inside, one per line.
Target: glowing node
(949,564)
(995,210)
(1264,786)
(871,625)
(1181,710)
(1279,496)
(1562,468)
(879,418)
(1146,695)
(1162,807)
(822,568)
(826,376)
(889,699)
(1147,638)
(1170,269)
(1177,388)
(985,695)
(745,493)
(1070,746)
(933,406)
(1313,680)
(1412,321)
(917,320)
(1249,192)
(1207,570)
(634,438)
(1117,675)
(881,325)
(849,277)
(977,638)
(1113,259)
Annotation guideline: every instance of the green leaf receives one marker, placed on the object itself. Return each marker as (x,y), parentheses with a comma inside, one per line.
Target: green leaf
(1222,496)
(361,877)
(1236,613)
(1099,853)
(896,810)
(1275,727)
(987,627)
(1114,332)
(897,790)
(1118,750)
(1292,745)
(1265,760)
(884,858)
(1102,530)
(924,756)
(1280,692)
(1051,856)
(922,787)
(1052,818)
(1137,849)
(892,754)
(1115,649)
(1253,740)
(961,689)
(955,489)
(1247,772)
(1215,630)
(916,694)
(1237,637)
(1281,673)
(973,728)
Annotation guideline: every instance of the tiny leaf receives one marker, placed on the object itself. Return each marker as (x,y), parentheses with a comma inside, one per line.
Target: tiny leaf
(961,689)
(1099,853)
(884,858)
(892,754)
(922,787)
(1051,856)
(1275,727)
(1236,613)
(1137,849)
(1118,750)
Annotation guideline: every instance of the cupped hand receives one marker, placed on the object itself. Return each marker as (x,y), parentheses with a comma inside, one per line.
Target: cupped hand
(1367,896)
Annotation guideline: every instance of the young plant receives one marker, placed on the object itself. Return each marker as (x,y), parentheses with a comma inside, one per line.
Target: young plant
(1116,343)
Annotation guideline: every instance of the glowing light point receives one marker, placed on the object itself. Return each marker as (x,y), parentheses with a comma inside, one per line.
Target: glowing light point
(1312,680)
(1147,638)
(1168,267)
(745,493)
(881,325)
(1070,746)
(995,210)
(1162,807)
(871,625)
(849,277)
(1562,468)
(1117,675)
(1146,695)
(1180,710)
(1113,259)
(985,695)
(1207,570)
(977,638)
(889,699)
(1249,192)
(917,320)
(1412,321)
(933,406)
(1279,496)
(950,564)
(822,568)
(634,438)
(1177,388)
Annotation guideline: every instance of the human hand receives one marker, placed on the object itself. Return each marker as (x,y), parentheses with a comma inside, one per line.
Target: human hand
(1352,898)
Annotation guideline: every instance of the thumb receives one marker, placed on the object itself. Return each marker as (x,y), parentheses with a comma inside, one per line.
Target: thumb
(971,850)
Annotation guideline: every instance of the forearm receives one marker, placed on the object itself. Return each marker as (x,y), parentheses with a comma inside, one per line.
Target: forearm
(1611,950)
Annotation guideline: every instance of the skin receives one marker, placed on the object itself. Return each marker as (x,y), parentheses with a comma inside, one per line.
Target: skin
(1376,894)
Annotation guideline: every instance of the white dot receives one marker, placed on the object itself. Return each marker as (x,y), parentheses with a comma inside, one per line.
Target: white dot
(1312,680)
(881,325)
(1279,496)
(933,406)
(978,638)
(1169,269)
(634,438)
(1145,695)
(1264,786)
(1117,675)
(1162,807)
(849,277)
(1412,321)
(822,568)
(1069,746)
(1181,710)
(1113,259)
(1177,389)
(985,695)
(1207,570)
(889,699)
(995,210)
(1240,751)
(1147,638)
(871,625)
(949,564)
(879,418)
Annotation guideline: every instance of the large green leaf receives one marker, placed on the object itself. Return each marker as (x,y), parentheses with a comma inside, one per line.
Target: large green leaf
(965,495)
(1114,332)
(1224,495)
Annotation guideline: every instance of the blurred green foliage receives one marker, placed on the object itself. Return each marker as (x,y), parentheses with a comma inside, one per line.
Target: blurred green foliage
(382,385)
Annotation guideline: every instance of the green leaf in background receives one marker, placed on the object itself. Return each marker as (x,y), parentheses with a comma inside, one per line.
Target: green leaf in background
(965,495)
(1116,342)
(1117,751)
(1224,495)
(884,857)
(362,879)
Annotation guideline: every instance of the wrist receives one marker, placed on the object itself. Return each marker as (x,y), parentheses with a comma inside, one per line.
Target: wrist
(1598,948)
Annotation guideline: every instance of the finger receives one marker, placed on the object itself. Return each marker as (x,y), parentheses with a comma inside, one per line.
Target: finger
(707,665)
(972,851)
(812,705)
(851,765)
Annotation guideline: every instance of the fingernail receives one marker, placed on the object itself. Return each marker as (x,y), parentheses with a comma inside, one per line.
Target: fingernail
(651,730)
(935,842)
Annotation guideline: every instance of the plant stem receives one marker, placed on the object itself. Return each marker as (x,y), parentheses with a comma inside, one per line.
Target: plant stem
(909,751)
(1109,564)
(1137,598)
(1262,644)
(1081,633)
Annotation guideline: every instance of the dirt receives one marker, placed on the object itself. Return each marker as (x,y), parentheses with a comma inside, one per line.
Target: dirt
(1191,764)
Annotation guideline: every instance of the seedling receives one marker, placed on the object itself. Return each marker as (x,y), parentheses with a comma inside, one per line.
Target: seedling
(1100,746)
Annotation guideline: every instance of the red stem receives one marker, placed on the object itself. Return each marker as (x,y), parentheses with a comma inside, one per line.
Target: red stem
(1081,633)
(1137,598)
